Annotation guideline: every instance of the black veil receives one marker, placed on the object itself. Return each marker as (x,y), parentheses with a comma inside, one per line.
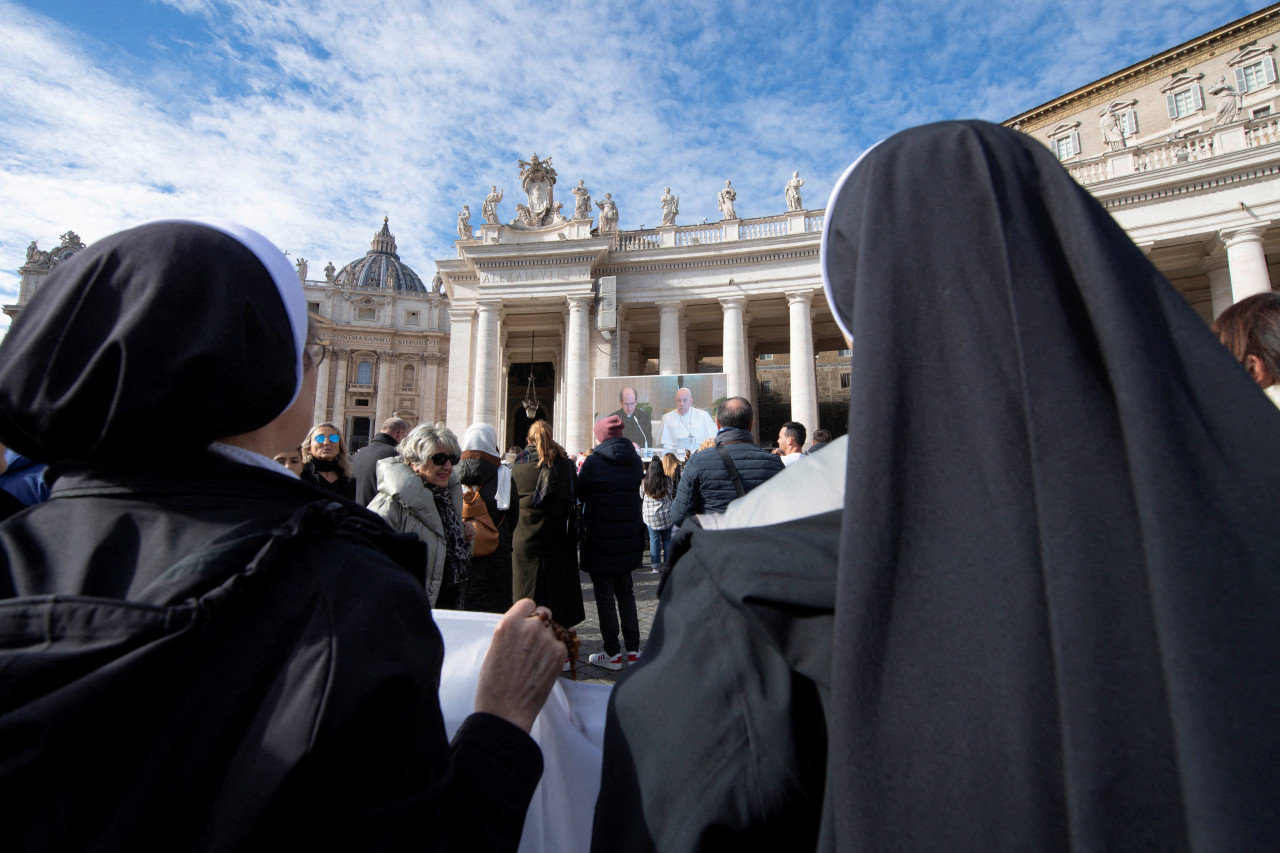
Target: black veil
(1058,609)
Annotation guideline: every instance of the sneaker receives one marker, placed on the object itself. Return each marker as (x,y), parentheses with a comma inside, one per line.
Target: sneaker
(603,659)
(632,657)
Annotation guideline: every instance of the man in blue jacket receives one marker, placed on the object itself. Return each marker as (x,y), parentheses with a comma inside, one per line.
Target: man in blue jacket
(710,481)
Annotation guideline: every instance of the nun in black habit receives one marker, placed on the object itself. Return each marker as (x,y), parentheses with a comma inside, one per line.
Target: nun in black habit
(1056,612)
(200,651)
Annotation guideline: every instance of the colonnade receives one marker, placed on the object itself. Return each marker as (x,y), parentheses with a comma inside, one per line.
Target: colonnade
(479,361)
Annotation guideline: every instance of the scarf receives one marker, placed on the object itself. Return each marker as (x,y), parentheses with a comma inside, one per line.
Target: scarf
(459,558)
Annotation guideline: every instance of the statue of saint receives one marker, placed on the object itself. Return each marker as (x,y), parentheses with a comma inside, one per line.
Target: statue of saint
(608,214)
(1112,129)
(301,264)
(793,192)
(1229,102)
(670,207)
(71,240)
(727,197)
(329,271)
(33,252)
(464,223)
(489,210)
(437,284)
(582,207)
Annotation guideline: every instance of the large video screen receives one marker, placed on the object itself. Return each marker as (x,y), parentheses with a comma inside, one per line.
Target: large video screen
(656,422)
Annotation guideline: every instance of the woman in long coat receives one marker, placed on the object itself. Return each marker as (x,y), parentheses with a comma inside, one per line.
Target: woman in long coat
(487,586)
(544,559)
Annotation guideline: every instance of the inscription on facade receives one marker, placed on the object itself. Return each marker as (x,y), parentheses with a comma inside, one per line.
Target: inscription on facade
(363,339)
(531,276)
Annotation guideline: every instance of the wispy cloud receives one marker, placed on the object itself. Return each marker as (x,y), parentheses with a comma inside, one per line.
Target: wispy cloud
(310,120)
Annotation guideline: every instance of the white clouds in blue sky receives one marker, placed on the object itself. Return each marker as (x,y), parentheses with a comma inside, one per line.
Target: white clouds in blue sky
(310,120)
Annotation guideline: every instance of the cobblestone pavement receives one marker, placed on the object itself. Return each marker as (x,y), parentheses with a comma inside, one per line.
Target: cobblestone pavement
(646,589)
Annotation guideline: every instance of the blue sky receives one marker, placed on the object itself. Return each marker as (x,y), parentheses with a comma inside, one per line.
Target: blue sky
(311,120)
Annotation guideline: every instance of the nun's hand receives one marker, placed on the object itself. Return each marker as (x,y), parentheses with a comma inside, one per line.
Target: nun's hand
(523,663)
(468,531)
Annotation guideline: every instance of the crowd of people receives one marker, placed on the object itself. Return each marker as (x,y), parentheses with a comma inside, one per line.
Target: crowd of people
(1029,601)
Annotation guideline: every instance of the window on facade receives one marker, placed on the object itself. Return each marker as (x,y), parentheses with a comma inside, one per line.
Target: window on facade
(845,352)
(1262,112)
(364,373)
(366,313)
(362,401)
(1067,146)
(766,388)
(406,376)
(411,318)
(313,307)
(844,380)
(768,356)
(1257,75)
(1185,102)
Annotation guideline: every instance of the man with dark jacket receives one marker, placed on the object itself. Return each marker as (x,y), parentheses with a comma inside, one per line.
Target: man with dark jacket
(609,488)
(707,484)
(383,446)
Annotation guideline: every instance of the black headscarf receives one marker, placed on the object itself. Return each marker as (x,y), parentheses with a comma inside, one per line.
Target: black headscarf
(187,326)
(1058,609)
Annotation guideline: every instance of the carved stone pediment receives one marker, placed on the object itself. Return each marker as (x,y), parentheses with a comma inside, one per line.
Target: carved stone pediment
(1181,80)
(1249,54)
(1063,127)
(1121,106)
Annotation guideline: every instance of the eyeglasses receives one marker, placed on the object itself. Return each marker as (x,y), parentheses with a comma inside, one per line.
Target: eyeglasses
(320,439)
(441,458)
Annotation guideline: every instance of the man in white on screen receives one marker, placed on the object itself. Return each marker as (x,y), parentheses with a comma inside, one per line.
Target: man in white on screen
(637,425)
(686,427)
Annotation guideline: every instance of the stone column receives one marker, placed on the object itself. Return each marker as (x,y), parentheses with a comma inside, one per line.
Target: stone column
(430,367)
(322,387)
(484,408)
(1219,282)
(578,395)
(380,404)
(804,380)
(735,346)
(504,375)
(669,338)
(339,391)
(558,415)
(688,360)
(1247,261)
(458,405)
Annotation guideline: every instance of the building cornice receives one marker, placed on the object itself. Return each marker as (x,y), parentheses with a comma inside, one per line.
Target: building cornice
(1260,24)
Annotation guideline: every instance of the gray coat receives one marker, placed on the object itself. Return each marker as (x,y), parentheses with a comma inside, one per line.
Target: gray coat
(409,507)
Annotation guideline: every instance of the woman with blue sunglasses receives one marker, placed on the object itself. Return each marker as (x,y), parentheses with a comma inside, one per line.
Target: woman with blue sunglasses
(328,464)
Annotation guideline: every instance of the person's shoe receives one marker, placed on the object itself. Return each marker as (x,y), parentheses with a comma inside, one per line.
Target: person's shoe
(632,657)
(603,659)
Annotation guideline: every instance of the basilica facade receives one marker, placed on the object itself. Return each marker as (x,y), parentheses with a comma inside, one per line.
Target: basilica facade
(531,315)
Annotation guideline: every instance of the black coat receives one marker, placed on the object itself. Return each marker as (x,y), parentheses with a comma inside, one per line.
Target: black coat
(544,557)
(365,462)
(609,488)
(173,699)
(487,586)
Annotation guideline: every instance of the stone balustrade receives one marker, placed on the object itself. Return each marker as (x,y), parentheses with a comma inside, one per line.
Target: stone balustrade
(729,230)
(694,235)
(815,221)
(759,229)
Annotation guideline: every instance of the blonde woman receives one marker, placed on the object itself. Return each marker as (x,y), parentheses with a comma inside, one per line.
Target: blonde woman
(327,463)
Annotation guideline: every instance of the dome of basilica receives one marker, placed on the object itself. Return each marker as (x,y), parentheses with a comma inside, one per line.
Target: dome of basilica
(380,267)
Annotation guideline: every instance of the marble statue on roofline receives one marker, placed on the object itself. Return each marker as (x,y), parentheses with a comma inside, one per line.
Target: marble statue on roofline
(726,198)
(489,210)
(670,207)
(582,207)
(793,192)
(329,271)
(38,259)
(464,223)
(1229,102)
(301,264)
(608,214)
